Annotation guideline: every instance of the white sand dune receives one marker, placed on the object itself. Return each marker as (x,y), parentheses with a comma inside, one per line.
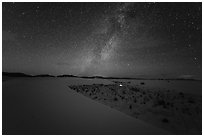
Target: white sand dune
(48,106)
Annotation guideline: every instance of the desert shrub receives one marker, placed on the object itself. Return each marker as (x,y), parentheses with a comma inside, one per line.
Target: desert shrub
(141,96)
(181,94)
(115,99)
(159,102)
(190,100)
(134,89)
(165,120)
(130,106)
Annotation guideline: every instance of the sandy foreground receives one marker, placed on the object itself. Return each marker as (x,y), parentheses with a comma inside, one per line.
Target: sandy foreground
(51,106)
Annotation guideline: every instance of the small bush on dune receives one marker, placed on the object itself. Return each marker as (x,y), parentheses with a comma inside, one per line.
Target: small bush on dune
(115,99)
(165,120)
(142,83)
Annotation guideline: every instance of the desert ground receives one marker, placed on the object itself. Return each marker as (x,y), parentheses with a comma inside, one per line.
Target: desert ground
(54,105)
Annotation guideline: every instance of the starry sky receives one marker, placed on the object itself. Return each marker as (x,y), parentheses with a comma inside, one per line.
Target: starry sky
(148,40)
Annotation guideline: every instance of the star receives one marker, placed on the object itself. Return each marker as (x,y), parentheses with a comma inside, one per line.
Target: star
(104,38)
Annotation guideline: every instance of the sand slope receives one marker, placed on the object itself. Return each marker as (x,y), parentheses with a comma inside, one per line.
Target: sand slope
(48,106)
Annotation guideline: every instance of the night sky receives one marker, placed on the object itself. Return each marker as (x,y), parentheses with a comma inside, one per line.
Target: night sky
(149,40)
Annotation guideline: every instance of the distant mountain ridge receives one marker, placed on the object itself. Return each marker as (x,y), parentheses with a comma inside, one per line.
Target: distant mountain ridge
(66,76)
(18,74)
(15,74)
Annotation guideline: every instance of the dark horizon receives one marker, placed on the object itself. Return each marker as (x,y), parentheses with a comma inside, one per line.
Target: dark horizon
(145,39)
(21,74)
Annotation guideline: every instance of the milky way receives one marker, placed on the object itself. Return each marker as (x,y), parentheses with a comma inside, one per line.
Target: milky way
(108,39)
(104,42)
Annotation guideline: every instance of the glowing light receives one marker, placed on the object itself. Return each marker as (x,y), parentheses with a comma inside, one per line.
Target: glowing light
(120,85)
